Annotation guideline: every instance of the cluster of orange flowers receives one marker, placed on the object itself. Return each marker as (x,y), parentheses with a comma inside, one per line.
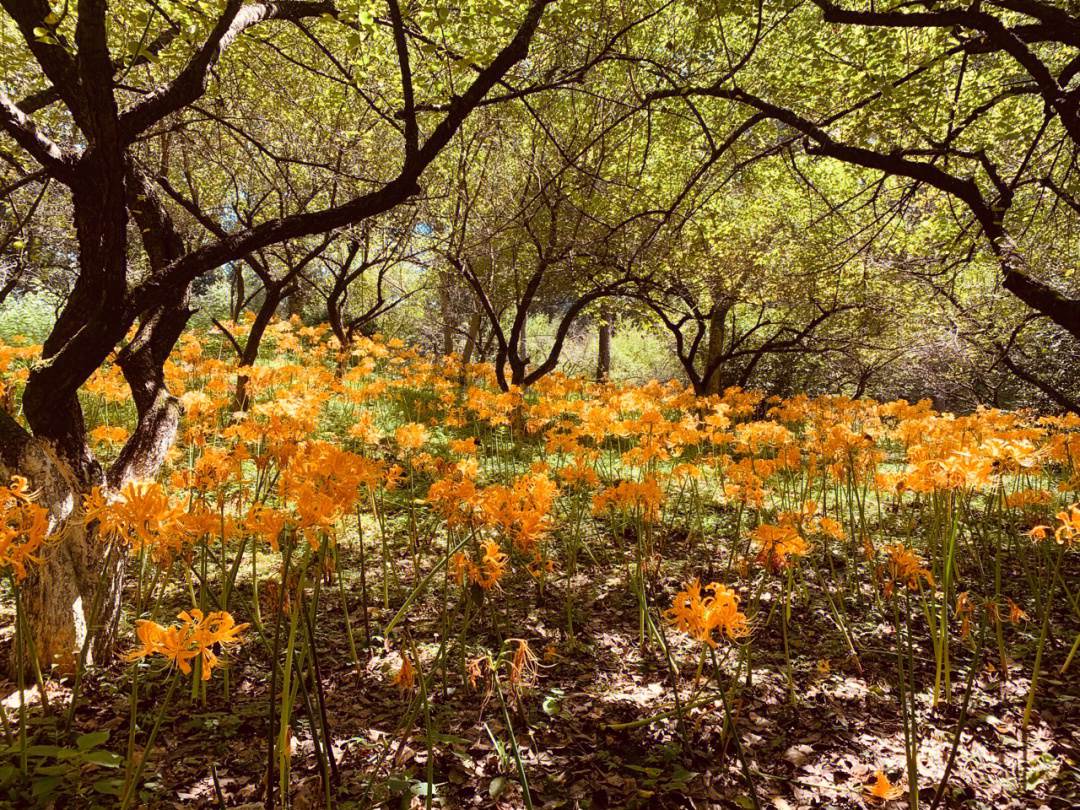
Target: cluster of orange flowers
(699,615)
(195,636)
(25,527)
(639,498)
(487,573)
(905,569)
(778,543)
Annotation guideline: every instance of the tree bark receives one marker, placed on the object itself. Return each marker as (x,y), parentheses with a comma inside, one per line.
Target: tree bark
(603,353)
(717,325)
(59,594)
(274,295)
(523,343)
(471,337)
(447,315)
(238,292)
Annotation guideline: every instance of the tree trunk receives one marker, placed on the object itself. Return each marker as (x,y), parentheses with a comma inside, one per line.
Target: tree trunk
(241,397)
(470,346)
(485,346)
(523,343)
(336,304)
(295,306)
(447,315)
(238,292)
(603,353)
(717,324)
(470,338)
(58,594)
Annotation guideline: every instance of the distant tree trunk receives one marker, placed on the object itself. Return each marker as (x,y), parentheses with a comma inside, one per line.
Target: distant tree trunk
(484,346)
(238,292)
(470,338)
(717,325)
(447,339)
(523,343)
(447,315)
(864,381)
(603,353)
(296,301)
(241,397)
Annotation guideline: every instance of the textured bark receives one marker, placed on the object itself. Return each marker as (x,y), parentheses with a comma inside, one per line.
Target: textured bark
(471,338)
(143,364)
(59,594)
(238,293)
(274,295)
(603,349)
(714,366)
(523,344)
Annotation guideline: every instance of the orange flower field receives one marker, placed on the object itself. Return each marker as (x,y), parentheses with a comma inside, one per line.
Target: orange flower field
(387,582)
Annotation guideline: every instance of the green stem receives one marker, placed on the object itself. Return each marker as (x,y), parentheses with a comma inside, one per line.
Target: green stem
(1042,641)
(129,794)
(513,742)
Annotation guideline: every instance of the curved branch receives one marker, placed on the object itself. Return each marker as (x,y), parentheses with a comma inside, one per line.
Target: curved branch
(190,83)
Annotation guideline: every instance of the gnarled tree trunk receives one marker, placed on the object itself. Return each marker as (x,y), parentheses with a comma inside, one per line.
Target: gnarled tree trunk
(58,595)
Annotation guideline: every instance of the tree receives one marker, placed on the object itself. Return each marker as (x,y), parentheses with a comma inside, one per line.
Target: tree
(99,122)
(348,269)
(541,251)
(993,65)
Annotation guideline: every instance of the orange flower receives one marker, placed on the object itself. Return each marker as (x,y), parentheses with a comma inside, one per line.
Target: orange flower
(405,679)
(24,528)
(905,568)
(777,542)
(266,523)
(520,512)
(195,636)
(699,616)
(524,667)
(1068,533)
(963,610)
(1016,615)
(139,514)
(883,789)
(109,435)
(411,437)
(492,564)
(464,447)
(644,499)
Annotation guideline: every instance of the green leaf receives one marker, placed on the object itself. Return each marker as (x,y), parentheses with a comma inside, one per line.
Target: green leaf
(53,770)
(43,787)
(110,787)
(92,740)
(497,787)
(106,759)
(679,779)
(51,751)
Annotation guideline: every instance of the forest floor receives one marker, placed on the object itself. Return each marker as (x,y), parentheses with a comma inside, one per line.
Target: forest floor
(820,749)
